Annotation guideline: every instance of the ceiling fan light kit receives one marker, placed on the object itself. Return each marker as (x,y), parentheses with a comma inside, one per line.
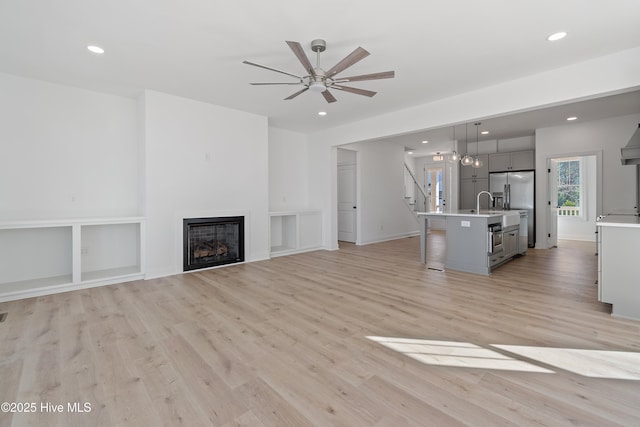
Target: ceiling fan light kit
(317,87)
(318,80)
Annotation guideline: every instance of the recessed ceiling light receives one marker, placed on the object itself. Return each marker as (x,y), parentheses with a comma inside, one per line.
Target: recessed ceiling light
(485,132)
(95,49)
(425,142)
(572,118)
(557,36)
(322,113)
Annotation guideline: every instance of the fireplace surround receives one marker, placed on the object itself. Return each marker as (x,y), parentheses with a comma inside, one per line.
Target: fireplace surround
(211,242)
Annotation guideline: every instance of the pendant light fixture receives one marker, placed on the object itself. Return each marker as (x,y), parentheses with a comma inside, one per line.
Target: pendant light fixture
(454,156)
(477,163)
(467,160)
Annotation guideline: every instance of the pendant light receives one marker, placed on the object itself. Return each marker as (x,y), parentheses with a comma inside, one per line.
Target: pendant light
(467,160)
(477,163)
(454,156)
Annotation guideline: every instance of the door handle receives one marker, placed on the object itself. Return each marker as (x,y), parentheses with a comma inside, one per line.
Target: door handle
(354,207)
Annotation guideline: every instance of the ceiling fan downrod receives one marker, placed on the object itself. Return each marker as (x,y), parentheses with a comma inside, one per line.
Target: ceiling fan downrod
(319,82)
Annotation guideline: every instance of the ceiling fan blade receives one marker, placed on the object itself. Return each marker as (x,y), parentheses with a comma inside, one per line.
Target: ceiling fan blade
(297,93)
(272,69)
(354,90)
(266,84)
(355,56)
(373,76)
(302,57)
(328,96)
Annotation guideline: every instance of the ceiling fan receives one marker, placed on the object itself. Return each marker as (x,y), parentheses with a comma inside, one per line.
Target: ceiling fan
(319,80)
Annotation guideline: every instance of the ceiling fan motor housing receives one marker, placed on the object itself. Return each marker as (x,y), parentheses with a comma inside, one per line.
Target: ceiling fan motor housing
(318,45)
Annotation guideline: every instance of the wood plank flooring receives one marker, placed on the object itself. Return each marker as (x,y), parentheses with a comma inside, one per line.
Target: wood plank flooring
(284,342)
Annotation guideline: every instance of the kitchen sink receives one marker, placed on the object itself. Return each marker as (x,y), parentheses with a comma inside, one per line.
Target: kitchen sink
(509,218)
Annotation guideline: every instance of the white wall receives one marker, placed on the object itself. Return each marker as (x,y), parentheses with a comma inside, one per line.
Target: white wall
(202,160)
(606,136)
(583,228)
(323,190)
(517,144)
(288,170)
(66,152)
(382,211)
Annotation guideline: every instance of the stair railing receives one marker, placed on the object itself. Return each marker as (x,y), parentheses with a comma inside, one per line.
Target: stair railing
(414,195)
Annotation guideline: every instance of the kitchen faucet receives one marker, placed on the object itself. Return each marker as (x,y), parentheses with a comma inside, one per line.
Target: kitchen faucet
(478,199)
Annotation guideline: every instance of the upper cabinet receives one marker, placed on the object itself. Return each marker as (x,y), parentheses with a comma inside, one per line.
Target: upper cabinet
(469,172)
(514,161)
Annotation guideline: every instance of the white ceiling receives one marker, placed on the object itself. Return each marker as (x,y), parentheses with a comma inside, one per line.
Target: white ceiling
(195,48)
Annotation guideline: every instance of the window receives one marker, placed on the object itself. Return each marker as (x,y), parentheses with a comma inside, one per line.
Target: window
(570,197)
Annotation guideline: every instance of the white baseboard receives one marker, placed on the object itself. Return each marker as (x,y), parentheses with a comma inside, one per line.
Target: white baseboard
(58,289)
(390,237)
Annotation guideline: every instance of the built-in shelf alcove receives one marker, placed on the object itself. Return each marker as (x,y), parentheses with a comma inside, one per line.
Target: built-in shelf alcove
(42,257)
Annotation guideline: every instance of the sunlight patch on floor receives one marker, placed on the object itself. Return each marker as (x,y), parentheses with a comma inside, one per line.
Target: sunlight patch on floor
(622,365)
(457,354)
(589,363)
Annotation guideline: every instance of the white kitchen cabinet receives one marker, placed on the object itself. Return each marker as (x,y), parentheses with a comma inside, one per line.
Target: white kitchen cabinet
(619,246)
(512,161)
(295,231)
(46,257)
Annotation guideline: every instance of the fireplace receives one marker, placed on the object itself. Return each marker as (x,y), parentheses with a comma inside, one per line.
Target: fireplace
(210,242)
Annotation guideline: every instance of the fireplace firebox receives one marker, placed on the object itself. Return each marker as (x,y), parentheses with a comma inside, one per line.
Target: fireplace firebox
(210,242)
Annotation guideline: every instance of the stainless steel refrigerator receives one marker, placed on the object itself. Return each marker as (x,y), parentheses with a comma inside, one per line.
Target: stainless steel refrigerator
(521,189)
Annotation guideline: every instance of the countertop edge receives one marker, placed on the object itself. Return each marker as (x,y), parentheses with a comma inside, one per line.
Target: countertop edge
(617,224)
(469,214)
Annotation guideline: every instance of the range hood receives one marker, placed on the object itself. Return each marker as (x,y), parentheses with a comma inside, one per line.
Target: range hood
(631,152)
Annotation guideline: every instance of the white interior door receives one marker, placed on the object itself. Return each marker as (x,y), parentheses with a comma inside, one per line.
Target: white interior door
(347,208)
(552,223)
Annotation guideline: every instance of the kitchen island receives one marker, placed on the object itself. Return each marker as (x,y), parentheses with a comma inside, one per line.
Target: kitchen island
(476,242)
(618,249)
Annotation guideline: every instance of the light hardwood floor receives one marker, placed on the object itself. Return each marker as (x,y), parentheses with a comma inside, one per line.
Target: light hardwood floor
(285,342)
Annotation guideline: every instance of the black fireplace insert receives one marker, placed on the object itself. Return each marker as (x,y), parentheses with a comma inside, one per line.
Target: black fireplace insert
(210,242)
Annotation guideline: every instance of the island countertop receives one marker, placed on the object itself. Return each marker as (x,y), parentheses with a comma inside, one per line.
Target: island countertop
(619,220)
(469,213)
